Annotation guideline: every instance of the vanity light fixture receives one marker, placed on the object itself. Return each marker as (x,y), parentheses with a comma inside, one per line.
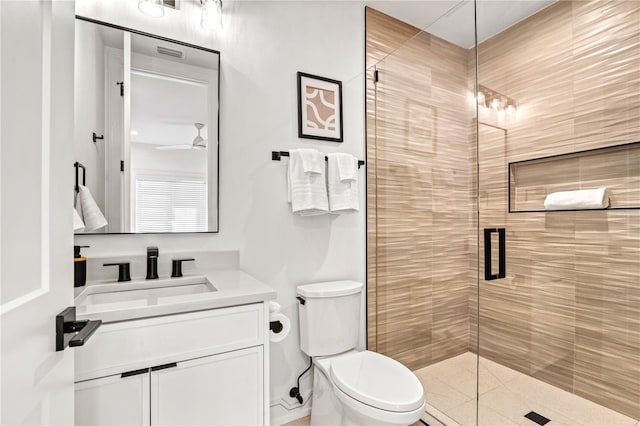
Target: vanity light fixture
(498,102)
(153,8)
(211,14)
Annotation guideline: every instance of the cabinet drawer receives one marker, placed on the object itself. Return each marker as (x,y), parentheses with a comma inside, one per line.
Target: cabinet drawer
(129,345)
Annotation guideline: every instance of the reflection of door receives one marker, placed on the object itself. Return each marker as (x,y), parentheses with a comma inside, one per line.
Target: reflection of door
(114,209)
(167,100)
(36,198)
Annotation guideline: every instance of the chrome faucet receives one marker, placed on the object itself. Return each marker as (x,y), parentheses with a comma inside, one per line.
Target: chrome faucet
(152,263)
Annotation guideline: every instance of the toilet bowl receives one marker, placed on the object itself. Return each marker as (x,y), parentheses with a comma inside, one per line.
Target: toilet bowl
(365,388)
(351,387)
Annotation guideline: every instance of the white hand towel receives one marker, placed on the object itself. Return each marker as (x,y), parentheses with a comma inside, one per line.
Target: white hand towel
(582,199)
(347,167)
(78,224)
(307,190)
(312,160)
(89,211)
(343,194)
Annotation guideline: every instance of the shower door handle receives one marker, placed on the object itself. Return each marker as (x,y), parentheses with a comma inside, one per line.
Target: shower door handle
(502,258)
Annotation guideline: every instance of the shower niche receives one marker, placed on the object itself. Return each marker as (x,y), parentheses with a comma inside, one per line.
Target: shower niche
(615,167)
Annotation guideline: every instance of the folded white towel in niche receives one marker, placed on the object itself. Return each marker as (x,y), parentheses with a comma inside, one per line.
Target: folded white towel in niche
(307,186)
(342,170)
(582,199)
(89,210)
(78,224)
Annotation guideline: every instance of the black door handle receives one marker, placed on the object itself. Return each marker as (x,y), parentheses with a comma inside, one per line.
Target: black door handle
(502,254)
(86,331)
(70,332)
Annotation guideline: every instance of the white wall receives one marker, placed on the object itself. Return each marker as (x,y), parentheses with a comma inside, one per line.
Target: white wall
(263,45)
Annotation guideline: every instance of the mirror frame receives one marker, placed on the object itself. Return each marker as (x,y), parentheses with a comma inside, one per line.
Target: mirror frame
(182,43)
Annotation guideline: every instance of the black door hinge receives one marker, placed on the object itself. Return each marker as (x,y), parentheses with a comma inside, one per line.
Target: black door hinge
(121,84)
(122,165)
(376,76)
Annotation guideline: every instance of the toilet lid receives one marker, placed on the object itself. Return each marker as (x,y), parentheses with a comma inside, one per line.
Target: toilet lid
(377,380)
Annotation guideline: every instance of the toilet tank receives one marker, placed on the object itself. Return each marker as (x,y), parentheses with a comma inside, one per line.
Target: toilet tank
(329,315)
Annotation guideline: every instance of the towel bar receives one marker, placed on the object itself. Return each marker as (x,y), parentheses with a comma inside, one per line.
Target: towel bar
(277,155)
(84,175)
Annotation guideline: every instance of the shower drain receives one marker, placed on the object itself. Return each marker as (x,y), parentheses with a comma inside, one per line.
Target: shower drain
(537,418)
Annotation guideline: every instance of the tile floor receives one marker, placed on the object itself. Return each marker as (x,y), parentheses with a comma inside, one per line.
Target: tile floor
(306,421)
(302,421)
(506,396)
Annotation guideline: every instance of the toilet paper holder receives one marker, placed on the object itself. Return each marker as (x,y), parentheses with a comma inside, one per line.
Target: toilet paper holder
(275,326)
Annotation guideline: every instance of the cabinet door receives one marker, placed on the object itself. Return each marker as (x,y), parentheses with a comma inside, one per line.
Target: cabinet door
(225,389)
(113,400)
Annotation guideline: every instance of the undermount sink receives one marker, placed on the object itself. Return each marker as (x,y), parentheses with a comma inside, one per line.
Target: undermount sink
(104,297)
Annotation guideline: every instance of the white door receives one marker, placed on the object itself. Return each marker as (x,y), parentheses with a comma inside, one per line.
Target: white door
(113,401)
(36,197)
(221,389)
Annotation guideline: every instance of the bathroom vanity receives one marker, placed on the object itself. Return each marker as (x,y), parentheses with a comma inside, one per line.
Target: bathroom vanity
(191,350)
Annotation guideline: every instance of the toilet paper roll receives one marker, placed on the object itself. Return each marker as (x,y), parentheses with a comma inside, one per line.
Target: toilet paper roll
(286,327)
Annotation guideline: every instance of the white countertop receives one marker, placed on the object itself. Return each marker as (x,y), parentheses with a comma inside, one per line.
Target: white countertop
(233,287)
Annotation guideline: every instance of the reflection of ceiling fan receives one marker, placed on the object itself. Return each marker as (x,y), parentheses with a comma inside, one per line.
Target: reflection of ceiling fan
(198,142)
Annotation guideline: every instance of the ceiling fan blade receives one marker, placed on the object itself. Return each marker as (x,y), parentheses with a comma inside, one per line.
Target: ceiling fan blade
(174,147)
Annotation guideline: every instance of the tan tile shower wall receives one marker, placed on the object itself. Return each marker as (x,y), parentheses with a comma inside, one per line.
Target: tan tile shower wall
(568,312)
(421,222)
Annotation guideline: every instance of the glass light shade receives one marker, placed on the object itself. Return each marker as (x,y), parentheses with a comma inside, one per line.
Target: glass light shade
(481,99)
(153,8)
(211,14)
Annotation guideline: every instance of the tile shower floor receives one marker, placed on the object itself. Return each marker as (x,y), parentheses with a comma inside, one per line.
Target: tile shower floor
(506,396)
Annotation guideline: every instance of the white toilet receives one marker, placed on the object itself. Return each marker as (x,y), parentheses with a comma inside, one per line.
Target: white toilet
(351,387)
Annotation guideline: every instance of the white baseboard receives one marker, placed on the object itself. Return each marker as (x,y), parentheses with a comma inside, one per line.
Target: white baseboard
(285,410)
(291,416)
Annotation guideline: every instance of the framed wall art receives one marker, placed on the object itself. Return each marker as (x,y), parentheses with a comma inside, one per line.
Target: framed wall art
(319,108)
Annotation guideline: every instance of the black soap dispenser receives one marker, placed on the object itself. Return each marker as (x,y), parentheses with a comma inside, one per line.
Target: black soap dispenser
(79,267)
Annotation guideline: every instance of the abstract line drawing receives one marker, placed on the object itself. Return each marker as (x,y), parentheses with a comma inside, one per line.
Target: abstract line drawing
(319,108)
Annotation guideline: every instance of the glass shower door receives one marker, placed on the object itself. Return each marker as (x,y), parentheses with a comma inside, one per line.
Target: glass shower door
(422,224)
(559,110)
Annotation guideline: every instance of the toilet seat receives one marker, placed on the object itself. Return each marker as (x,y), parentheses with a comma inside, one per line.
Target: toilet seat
(378,381)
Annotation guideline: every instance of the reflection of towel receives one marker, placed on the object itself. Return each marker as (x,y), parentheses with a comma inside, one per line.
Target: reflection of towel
(307,189)
(89,211)
(582,199)
(78,224)
(343,183)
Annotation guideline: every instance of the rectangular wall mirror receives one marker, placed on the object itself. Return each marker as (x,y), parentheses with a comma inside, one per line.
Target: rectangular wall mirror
(146,133)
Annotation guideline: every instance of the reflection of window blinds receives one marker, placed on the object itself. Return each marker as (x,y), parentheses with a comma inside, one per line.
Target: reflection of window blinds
(164,205)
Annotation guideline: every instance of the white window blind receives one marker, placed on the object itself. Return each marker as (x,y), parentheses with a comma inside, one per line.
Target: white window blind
(170,205)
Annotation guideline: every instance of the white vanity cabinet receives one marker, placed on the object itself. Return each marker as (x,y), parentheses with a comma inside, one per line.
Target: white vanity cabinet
(113,401)
(225,387)
(198,368)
